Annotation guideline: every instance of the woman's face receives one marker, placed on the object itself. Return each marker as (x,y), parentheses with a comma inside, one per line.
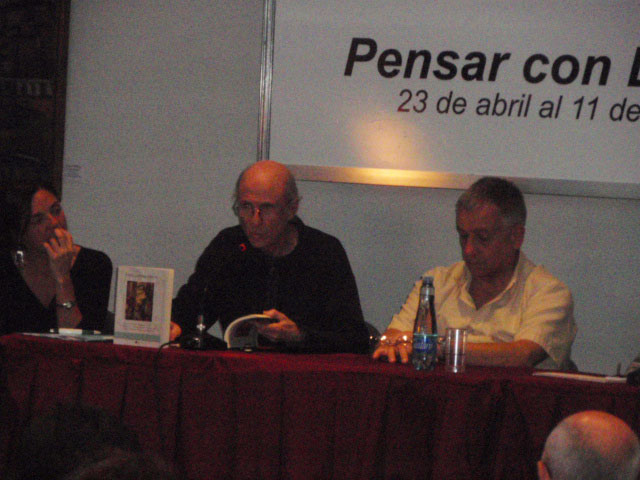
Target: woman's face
(46,215)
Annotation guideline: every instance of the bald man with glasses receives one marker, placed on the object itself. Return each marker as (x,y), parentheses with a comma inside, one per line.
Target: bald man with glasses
(273,264)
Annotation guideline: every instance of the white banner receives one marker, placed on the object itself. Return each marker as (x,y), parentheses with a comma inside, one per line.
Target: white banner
(530,89)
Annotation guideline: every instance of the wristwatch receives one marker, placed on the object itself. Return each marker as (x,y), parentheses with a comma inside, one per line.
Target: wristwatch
(68,305)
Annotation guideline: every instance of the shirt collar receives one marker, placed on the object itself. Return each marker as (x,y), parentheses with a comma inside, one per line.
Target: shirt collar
(517,272)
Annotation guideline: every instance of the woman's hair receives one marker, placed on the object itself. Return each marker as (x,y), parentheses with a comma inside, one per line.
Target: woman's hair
(15,211)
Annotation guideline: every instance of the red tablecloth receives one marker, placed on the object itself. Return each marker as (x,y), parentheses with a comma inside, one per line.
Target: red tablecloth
(235,415)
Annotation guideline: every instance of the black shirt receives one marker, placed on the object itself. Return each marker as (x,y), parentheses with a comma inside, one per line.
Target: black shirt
(23,312)
(313,285)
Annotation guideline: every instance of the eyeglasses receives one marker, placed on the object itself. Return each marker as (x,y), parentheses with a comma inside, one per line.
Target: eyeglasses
(248,209)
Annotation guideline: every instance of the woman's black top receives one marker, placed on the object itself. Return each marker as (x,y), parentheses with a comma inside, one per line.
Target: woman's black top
(21,311)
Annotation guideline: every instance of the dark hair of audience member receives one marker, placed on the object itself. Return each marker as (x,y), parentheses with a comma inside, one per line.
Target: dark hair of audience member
(8,411)
(58,442)
(127,466)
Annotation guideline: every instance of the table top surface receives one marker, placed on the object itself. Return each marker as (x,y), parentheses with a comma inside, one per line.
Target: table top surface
(239,361)
(367,418)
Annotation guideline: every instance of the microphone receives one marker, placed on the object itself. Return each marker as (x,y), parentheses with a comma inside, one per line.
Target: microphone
(201,340)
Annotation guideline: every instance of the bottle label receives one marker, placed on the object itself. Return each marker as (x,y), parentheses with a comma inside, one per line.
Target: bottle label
(425,343)
(425,348)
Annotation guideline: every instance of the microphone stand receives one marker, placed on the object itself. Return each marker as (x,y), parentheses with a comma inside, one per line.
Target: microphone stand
(201,340)
(201,331)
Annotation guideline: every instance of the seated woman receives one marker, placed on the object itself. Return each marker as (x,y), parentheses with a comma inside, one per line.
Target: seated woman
(46,280)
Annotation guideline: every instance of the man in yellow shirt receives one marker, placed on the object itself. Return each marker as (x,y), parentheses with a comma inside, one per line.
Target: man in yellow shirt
(516,313)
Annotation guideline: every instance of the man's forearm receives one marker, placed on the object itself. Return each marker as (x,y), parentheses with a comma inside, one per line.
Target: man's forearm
(522,353)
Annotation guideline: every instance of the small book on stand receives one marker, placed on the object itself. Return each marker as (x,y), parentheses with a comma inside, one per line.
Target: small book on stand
(143,306)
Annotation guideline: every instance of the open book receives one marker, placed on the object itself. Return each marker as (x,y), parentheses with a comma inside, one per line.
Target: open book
(242,332)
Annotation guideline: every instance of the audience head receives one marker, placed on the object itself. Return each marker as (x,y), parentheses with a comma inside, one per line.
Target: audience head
(265,201)
(590,445)
(19,227)
(8,407)
(127,466)
(68,436)
(490,218)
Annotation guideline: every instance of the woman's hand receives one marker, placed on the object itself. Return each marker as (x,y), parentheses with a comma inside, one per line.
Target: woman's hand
(61,252)
(62,255)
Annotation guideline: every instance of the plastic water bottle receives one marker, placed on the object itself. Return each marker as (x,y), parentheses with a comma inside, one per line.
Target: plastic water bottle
(425,330)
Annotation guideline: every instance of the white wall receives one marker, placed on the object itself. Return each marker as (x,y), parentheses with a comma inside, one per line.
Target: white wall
(162,110)
(162,114)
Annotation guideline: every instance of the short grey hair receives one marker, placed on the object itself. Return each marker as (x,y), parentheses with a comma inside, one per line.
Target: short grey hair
(499,192)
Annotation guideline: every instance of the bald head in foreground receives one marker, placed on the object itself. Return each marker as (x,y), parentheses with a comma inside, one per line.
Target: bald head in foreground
(590,445)
(272,263)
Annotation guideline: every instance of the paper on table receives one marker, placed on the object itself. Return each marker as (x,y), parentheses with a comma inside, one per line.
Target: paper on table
(75,335)
(582,376)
